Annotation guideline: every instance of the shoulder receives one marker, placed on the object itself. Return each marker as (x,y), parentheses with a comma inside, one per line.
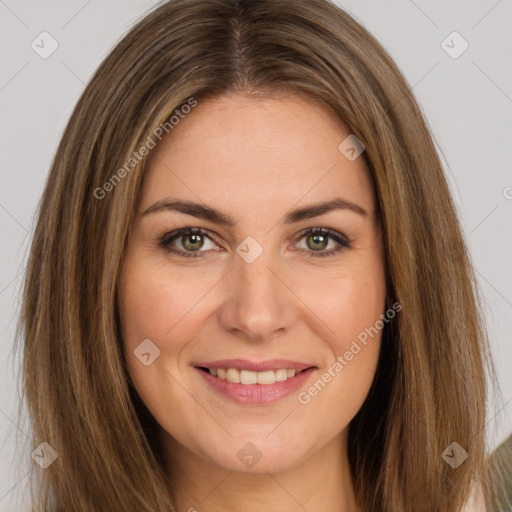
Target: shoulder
(501,468)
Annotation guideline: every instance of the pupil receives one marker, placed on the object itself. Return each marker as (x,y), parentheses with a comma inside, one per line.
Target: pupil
(322,243)
(195,237)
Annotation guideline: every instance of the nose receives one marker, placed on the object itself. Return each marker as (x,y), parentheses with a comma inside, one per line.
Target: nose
(260,304)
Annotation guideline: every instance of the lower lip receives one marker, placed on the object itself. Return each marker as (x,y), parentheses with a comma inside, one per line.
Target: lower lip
(257,393)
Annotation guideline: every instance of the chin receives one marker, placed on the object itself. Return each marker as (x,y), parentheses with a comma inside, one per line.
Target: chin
(258,456)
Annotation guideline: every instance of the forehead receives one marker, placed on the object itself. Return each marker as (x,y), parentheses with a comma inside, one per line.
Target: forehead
(234,149)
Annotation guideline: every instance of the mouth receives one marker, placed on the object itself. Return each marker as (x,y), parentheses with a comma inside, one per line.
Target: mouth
(248,377)
(247,382)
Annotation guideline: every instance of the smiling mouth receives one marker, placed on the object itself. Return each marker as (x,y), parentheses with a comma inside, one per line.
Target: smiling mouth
(240,376)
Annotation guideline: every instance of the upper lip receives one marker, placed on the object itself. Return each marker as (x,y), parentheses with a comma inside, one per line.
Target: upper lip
(254,366)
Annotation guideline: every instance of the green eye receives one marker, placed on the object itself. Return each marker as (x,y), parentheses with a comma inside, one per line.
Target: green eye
(196,243)
(318,239)
(192,240)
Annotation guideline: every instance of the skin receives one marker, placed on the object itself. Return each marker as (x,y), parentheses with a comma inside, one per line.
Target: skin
(255,160)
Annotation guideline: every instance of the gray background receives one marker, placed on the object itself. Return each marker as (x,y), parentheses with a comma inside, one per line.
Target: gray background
(467,102)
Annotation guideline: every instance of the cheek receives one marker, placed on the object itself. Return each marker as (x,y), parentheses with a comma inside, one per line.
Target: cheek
(153,304)
(149,309)
(350,302)
(351,306)
(353,314)
(341,387)
(154,307)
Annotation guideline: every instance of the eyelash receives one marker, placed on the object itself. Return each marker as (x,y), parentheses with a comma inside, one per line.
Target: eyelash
(165,241)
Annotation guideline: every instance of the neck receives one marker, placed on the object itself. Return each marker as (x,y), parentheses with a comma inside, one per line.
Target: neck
(320,482)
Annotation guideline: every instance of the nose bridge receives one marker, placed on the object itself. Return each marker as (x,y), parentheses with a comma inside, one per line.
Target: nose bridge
(258,302)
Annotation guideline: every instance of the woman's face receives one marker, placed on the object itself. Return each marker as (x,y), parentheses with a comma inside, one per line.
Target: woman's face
(254,290)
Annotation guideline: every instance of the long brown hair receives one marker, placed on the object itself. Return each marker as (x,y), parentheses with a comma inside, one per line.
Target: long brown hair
(430,387)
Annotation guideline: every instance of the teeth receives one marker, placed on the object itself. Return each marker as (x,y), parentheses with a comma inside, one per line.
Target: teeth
(233,375)
(268,377)
(281,375)
(247,377)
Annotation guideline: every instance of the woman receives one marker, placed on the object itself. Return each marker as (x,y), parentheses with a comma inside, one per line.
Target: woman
(183,353)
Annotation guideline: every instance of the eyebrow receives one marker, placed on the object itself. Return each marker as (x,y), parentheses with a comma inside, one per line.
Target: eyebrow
(208,213)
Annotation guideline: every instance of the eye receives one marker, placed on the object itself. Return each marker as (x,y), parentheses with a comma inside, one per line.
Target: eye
(317,239)
(192,241)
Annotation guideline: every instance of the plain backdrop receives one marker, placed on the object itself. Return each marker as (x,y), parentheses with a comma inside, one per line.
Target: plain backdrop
(466,97)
